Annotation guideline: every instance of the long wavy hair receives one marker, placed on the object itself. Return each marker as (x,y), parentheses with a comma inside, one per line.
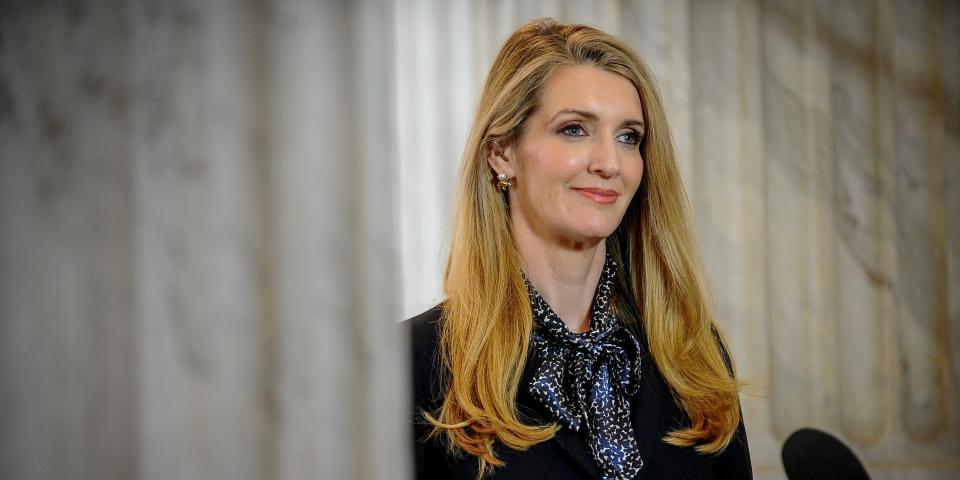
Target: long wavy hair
(661,293)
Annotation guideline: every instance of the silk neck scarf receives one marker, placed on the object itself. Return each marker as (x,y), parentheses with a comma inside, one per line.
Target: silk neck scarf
(587,378)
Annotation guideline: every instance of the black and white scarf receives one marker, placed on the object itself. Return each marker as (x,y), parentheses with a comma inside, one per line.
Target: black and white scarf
(586,378)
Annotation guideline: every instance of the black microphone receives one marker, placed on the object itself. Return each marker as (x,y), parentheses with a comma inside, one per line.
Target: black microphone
(810,454)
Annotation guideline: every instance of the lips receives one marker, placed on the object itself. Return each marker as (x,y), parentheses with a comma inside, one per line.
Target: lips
(600,195)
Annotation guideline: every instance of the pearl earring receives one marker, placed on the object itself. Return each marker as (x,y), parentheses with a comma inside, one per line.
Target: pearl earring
(503,181)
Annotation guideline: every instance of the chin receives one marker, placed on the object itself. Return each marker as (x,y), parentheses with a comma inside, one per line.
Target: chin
(600,228)
(585,227)
(592,234)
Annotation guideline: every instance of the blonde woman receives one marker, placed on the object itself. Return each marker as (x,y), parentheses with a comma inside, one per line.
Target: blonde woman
(576,339)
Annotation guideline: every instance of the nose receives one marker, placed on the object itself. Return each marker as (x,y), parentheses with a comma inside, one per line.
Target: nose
(605,159)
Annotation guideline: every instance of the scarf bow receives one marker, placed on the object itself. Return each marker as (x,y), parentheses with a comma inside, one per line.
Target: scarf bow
(586,379)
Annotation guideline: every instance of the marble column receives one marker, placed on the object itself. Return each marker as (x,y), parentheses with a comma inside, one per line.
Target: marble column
(340,384)
(206,407)
(199,272)
(68,333)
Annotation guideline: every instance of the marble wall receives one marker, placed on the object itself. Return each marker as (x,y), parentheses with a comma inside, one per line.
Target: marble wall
(209,209)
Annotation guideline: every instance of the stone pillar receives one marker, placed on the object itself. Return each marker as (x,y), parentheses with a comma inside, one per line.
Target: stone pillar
(69,361)
(199,273)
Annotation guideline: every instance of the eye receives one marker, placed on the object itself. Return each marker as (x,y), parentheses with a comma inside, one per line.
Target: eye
(629,137)
(573,130)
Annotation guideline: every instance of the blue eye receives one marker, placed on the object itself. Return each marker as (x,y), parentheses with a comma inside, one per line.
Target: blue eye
(630,137)
(574,130)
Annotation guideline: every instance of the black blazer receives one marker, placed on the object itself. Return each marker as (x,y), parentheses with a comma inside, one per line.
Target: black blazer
(566,456)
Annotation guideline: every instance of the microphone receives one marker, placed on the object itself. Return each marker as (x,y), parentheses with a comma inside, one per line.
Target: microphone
(810,454)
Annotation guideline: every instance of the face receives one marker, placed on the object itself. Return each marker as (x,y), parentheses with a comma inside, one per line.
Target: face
(577,163)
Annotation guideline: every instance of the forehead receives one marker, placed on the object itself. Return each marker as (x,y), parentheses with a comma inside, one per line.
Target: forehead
(585,87)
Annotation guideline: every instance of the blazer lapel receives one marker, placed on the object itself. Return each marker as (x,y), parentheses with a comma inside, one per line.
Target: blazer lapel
(645,405)
(573,444)
(568,441)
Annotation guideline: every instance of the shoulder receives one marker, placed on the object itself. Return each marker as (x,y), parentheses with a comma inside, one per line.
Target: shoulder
(734,461)
(424,334)
(423,331)
(424,328)
(724,351)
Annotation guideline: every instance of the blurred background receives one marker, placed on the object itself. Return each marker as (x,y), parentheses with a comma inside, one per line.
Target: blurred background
(212,215)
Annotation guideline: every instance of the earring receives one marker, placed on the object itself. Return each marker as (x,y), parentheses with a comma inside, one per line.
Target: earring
(503,181)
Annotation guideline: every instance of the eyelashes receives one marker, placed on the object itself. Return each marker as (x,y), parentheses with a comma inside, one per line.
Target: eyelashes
(629,137)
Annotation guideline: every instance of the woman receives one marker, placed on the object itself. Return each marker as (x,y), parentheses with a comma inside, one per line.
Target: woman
(575,340)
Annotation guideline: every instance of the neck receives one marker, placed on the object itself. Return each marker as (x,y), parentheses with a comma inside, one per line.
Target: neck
(566,276)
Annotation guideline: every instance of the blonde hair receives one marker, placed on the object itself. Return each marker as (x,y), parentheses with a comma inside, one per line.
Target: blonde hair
(487,319)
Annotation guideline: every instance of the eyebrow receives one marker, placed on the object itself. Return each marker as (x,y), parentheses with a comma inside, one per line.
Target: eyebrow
(593,116)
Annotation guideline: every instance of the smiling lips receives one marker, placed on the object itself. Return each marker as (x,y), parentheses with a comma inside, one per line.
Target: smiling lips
(599,195)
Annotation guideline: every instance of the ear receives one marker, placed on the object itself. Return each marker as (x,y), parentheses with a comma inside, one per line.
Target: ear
(502,159)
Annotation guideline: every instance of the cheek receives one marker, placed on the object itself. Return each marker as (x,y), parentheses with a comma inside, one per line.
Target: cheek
(634,175)
(551,165)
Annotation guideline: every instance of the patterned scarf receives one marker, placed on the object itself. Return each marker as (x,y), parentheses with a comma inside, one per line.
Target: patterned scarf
(586,378)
